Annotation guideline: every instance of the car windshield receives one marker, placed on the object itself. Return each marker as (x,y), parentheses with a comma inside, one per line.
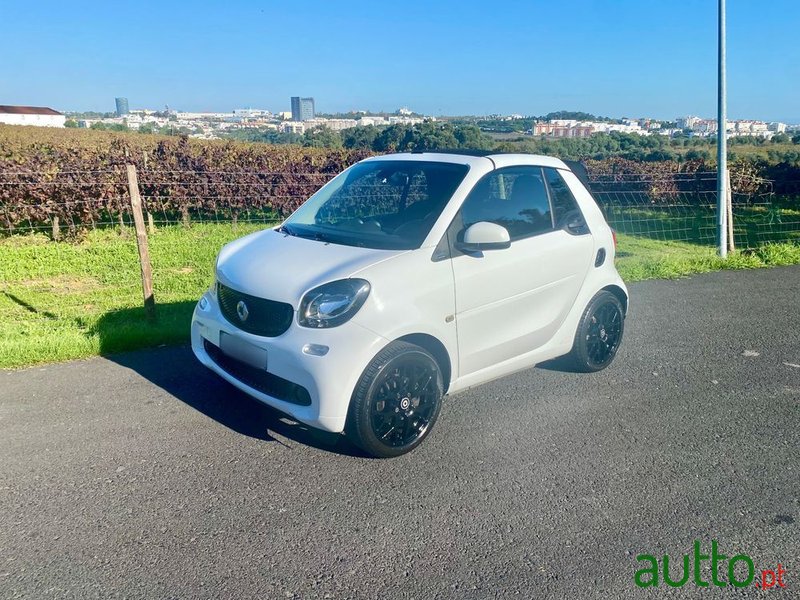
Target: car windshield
(387,204)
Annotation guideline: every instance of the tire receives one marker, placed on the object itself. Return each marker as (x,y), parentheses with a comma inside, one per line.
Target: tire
(396,402)
(599,333)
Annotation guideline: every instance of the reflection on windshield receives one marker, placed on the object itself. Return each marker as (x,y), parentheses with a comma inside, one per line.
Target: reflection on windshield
(388,204)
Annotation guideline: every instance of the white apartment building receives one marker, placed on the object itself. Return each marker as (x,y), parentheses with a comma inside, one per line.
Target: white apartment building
(196,116)
(298,127)
(687,122)
(602,127)
(333,124)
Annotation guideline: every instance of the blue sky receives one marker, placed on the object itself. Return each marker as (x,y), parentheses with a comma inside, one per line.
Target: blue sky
(609,57)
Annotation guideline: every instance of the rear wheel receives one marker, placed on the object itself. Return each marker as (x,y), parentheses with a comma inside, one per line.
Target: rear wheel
(599,333)
(396,401)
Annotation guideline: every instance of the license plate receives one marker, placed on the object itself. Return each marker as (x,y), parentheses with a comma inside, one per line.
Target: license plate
(243,351)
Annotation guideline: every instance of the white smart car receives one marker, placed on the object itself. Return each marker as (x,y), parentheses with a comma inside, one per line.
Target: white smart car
(411,276)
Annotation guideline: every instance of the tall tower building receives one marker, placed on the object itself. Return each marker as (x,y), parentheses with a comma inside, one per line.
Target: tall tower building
(302,108)
(122,106)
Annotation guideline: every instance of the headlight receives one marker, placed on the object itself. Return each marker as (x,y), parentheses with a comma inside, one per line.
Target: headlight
(333,303)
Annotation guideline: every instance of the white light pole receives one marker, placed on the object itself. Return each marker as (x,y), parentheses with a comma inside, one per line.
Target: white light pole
(722,142)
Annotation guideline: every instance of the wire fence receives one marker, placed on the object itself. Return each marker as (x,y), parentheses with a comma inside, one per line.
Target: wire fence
(683,207)
(77,201)
(93,270)
(670,207)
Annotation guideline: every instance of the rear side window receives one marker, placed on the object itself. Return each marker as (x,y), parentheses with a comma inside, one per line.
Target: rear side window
(565,207)
(515,198)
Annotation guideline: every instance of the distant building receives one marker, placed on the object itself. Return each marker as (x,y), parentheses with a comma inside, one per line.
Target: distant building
(332,124)
(293,127)
(31,115)
(687,122)
(563,129)
(302,108)
(705,127)
(250,113)
(122,106)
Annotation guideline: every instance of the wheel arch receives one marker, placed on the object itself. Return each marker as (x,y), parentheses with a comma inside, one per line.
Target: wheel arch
(437,350)
(620,294)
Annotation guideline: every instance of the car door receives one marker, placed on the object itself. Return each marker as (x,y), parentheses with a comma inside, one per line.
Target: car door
(511,301)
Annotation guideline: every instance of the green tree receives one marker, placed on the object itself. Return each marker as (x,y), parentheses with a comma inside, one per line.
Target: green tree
(698,155)
(108,126)
(470,136)
(361,137)
(429,135)
(322,137)
(390,138)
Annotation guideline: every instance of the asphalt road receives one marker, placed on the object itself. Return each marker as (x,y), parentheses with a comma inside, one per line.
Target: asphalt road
(144,476)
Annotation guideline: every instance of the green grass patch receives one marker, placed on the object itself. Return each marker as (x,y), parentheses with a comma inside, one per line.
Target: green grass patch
(67,300)
(640,258)
(755,225)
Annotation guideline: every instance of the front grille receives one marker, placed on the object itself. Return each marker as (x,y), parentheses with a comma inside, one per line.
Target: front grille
(258,379)
(264,317)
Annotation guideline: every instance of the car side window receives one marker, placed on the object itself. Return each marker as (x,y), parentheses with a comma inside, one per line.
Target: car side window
(565,207)
(515,198)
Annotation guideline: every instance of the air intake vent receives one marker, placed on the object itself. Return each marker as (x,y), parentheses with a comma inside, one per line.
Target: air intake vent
(258,316)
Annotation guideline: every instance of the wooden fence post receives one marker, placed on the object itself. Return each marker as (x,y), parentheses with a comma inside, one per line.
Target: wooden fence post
(151,225)
(141,243)
(729,205)
(56,229)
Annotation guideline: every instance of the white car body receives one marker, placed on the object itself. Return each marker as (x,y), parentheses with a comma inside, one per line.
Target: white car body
(481,318)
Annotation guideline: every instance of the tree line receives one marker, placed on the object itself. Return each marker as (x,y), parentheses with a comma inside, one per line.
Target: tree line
(458,136)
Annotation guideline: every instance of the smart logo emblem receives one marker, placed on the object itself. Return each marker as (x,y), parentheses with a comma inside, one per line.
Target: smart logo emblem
(241,310)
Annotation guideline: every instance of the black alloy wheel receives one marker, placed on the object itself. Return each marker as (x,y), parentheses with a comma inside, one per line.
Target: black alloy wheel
(599,333)
(396,401)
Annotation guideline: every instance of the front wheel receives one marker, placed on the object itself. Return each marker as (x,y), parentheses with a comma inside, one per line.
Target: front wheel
(599,333)
(396,401)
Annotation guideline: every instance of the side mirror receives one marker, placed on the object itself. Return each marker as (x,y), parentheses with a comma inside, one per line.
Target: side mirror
(484,236)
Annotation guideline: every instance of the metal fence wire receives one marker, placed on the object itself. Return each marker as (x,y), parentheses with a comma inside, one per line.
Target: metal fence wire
(683,208)
(674,207)
(69,253)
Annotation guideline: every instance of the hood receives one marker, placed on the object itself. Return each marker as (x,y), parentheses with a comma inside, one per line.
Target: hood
(273,265)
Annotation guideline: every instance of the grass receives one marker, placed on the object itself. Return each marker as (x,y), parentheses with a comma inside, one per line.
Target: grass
(67,300)
(755,225)
(641,258)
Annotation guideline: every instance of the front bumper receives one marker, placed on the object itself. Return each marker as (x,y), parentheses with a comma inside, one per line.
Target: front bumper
(329,379)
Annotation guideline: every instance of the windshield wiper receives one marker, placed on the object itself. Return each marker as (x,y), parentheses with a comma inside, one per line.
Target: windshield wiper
(308,235)
(285,230)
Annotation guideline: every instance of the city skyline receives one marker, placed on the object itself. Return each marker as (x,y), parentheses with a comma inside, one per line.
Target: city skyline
(240,107)
(620,60)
